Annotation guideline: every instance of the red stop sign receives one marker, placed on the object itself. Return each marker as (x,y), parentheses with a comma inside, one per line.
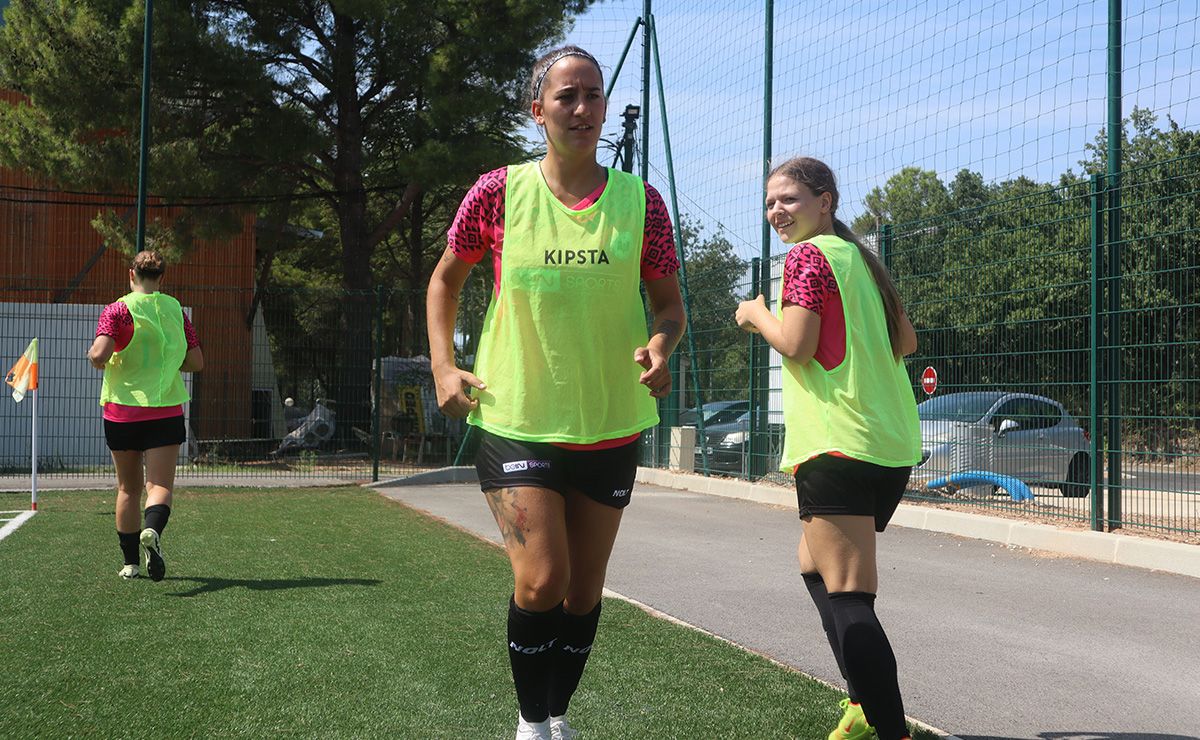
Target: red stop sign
(929,380)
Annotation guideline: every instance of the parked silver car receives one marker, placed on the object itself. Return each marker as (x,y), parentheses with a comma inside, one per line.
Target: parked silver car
(1029,437)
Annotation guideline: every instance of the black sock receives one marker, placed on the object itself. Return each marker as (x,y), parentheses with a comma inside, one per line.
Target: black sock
(575,639)
(820,597)
(870,662)
(531,640)
(129,546)
(156,517)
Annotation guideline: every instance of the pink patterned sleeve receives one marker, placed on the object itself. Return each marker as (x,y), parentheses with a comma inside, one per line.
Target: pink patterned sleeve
(808,279)
(112,318)
(189,333)
(116,322)
(659,258)
(473,231)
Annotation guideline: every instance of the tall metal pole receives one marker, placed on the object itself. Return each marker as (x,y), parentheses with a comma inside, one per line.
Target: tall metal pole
(377,421)
(1095,465)
(645,170)
(1115,132)
(671,407)
(768,88)
(662,442)
(144,155)
(757,265)
(759,398)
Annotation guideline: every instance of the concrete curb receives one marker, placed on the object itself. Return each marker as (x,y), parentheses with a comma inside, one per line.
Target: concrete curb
(1119,549)
(460,474)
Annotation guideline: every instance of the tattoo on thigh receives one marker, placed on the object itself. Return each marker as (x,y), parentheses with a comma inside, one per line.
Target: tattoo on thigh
(511,515)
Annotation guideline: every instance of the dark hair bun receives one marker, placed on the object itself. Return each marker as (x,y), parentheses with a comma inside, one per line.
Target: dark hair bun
(149,264)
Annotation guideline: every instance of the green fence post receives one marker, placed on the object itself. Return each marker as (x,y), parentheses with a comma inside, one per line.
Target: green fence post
(377,434)
(645,169)
(673,404)
(670,416)
(760,443)
(144,149)
(756,264)
(760,401)
(660,444)
(1114,265)
(1096,464)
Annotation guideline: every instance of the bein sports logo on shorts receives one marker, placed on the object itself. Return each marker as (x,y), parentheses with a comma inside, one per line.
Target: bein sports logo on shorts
(519,465)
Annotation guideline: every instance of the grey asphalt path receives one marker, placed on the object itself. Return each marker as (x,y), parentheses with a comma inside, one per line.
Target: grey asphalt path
(993,643)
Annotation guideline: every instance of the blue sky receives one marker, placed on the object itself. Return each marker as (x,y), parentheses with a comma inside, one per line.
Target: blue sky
(1004,89)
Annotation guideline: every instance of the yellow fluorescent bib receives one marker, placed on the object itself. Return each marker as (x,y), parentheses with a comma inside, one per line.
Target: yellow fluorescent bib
(556,350)
(864,408)
(146,372)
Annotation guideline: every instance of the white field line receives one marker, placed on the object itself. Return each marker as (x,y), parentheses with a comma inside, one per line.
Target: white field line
(12,524)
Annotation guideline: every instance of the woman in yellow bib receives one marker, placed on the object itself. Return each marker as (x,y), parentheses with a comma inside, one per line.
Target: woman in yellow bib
(851,430)
(566,374)
(143,341)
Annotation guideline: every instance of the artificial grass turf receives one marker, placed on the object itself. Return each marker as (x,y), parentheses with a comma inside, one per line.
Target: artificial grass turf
(330,613)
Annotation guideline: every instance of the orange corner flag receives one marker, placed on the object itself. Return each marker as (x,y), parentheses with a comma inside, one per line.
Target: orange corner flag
(23,376)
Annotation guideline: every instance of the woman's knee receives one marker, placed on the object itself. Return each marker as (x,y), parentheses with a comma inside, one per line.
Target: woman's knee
(541,590)
(158,494)
(582,600)
(129,489)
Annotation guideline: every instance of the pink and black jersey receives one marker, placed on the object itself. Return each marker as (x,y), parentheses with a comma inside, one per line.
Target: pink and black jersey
(479,227)
(809,282)
(116,322)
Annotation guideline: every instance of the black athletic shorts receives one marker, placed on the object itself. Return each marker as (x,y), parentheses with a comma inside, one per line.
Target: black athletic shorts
(832,485)
(144,435)
(605,476)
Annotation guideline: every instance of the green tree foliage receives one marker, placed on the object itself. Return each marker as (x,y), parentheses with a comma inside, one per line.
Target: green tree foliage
(217,132)
(912,194)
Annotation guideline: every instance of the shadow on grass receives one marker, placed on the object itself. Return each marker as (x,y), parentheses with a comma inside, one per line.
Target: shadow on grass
(1088,736)
(210,585)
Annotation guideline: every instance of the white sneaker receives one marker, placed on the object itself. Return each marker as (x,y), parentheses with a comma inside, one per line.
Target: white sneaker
(560,730)
(532,730)
(129,571)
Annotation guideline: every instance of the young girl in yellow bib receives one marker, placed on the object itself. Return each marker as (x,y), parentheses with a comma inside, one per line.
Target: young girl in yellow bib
(566,374)
(851,429)
(143,342)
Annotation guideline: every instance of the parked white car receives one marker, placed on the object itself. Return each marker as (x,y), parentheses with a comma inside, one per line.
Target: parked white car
(1029,437)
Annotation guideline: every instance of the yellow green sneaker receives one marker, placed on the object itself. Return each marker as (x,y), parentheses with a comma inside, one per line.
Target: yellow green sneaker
(853,725)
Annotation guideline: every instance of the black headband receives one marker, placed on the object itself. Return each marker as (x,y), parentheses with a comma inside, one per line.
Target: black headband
(537,88)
